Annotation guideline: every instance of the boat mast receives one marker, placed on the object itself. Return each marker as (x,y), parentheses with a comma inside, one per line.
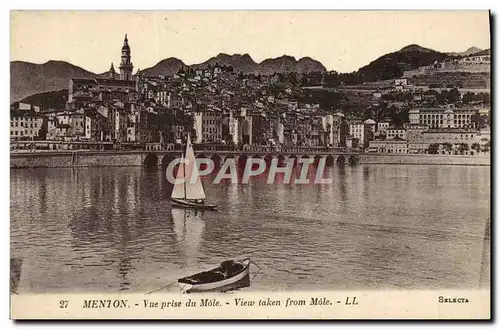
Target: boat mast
(184,173)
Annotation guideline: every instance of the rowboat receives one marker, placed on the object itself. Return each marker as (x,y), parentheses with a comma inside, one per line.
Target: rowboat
(15,274)
(227,274)
(188,191)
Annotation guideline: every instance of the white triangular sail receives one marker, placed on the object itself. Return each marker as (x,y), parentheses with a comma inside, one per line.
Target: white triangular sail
(187,171)
(179,189)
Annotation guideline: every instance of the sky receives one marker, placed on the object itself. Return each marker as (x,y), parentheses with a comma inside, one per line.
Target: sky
(342,41)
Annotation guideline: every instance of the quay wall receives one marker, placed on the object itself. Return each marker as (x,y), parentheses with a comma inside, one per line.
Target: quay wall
(425,159)
(82,159)
(120,159)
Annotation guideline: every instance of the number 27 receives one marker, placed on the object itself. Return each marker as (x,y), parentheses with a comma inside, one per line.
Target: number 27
(63,303)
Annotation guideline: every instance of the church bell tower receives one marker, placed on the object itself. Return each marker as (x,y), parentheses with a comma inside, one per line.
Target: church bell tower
(126,66)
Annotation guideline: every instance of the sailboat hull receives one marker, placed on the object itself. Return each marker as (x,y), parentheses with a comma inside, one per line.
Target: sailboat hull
(190,204)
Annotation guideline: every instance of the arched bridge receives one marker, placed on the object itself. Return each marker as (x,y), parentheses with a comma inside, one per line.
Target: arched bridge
(338,157)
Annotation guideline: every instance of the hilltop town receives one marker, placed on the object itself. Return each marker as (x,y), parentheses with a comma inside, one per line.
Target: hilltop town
(433,104)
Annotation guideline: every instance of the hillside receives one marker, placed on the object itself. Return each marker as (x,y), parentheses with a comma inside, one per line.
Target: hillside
(242,63)
(483,52)
(470,51)
(392,65)
(48,100)
(28,78)
(168,67)
(285,64)
(105,75)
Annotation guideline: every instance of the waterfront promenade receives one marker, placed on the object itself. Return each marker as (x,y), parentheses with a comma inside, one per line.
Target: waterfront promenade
(153,158)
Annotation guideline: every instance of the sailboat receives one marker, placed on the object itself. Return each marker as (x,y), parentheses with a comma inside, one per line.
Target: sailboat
(189,194)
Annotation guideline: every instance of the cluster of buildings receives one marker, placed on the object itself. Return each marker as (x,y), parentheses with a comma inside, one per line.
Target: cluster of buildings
(218,106)
(443,130)
(479,62)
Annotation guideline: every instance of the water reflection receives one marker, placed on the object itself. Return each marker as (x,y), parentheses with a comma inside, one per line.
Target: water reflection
(188,228)
(112,229)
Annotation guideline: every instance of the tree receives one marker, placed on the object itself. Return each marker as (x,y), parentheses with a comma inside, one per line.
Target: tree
(468,97)
(486,147)
(476,120)
(448,147)
(483,97)
(398,117)
(476,147)
(451,96)
(42,133)
(441,98)
(479,121)
(388,97)
(433,148)
(462,148)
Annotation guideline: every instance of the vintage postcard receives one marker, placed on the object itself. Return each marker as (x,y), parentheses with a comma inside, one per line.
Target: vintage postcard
(250,164)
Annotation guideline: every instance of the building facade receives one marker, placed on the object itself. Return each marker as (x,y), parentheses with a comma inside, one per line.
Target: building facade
(82,91)
(208,126)
(27,125)
(395,133)
(458,117)
(357,130)
(388,146)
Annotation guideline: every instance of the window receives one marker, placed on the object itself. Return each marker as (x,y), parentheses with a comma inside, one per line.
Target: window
(21,133)
(22,124)
(16,123)
(15,132)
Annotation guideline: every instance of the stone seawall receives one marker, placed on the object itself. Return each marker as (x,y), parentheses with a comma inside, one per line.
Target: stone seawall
(81,159)
(119,159)
(425,159)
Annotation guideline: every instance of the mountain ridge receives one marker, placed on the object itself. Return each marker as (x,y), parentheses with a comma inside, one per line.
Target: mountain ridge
(392,65)
(30,78)
(243,63)
(470,51)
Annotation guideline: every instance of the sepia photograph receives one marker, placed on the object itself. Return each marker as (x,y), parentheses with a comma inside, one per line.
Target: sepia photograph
(258,164)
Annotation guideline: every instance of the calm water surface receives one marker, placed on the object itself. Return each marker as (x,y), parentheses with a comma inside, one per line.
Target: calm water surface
(375,227)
